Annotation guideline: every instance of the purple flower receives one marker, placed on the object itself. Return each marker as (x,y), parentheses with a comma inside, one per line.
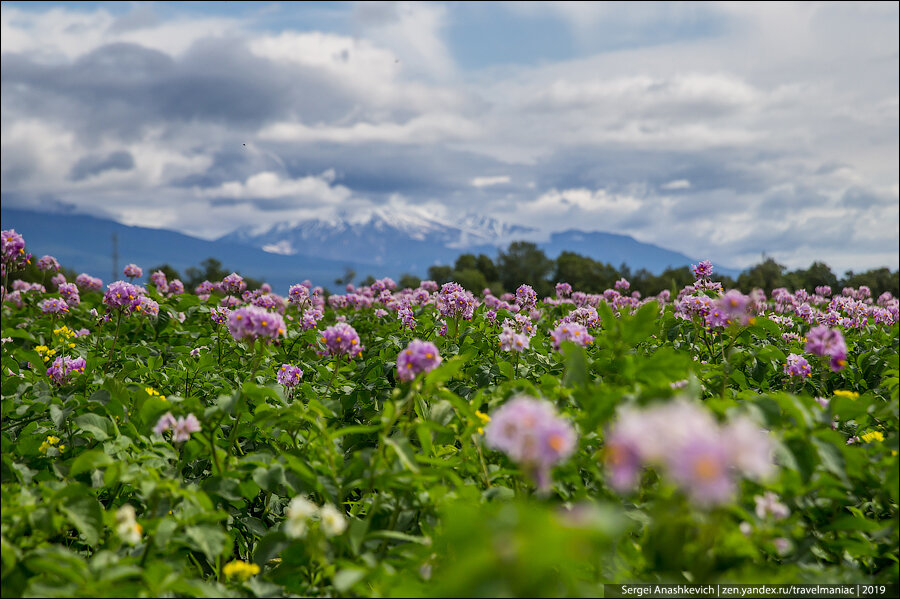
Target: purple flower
(176,287)
(289,375)
(563,290)
(69,292)
(63,367)
(531,433)
(147,306)
(735,307)
(570,331)
(526,297)
(86,282)
(165,422)
(160,281)
(184,427)
(823,341)
(703,270)
(219,315)
(702,469)
(233,283)
(12,250)
(53,306)
(58,279)
(797,366)
(455,302)
(133,271)
(622,284)
(406,315)
(310,318)
(252,322)
(418,357)
(299,296)
(584,315)
(46,263)
(769,505)
(123,296)
(510,340)
(342,340)
(204,288)
(750,448)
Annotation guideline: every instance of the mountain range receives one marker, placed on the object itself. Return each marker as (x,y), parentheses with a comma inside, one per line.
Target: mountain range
(385,242)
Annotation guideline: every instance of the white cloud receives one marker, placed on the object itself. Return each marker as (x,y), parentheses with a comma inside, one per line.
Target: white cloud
(315,189)
(676,185)
(490,181)
(426,129)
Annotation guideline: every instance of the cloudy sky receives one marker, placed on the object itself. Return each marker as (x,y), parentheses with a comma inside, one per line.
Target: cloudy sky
(719,130)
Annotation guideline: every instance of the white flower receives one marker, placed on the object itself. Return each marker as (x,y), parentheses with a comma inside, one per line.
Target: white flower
(297,513)
(333,521)
(126,525)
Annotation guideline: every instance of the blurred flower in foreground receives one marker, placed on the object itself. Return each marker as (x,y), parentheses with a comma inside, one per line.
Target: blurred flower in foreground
(240,570)
(685,442)
(126,525)
(531,433)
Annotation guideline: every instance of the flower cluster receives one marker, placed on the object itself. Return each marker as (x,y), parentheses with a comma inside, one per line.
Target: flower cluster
(455,302)
(300,510)
(823,341)
(133,271)
(69,292)
(181,428)
(341,339)
(311,318)
(531,433)
(512,340)
(563,290)
(683,439)
(289,375)
(53,305)
(570,331)
(63,367)
(526,297)
(240,570)
(418,357)
(48,263)
(797,366)
(49,442)
(86,282)
(703,270)
(123,296)
(252,322)
(233,284)
(12,250)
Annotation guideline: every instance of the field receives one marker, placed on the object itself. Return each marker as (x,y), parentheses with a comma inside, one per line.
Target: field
(432,442)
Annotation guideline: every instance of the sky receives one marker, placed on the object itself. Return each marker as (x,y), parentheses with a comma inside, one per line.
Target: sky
(721,130)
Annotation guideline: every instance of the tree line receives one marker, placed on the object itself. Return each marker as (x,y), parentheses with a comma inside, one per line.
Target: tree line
(524,262)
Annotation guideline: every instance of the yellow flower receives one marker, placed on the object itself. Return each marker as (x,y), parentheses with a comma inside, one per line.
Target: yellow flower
(850,394)
(874,435)
(64,331)
(48,443)
(240,570)
(154,393)
(484,420)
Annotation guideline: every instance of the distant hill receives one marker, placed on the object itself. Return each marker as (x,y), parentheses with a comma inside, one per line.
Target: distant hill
(84,244)
(383,243)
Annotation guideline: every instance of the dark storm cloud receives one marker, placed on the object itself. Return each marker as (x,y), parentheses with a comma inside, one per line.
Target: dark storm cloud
(94,165)
(124,89)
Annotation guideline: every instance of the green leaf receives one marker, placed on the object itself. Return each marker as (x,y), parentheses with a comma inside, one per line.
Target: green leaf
(90,460)
(209,540)
(99,427)
(83,510)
